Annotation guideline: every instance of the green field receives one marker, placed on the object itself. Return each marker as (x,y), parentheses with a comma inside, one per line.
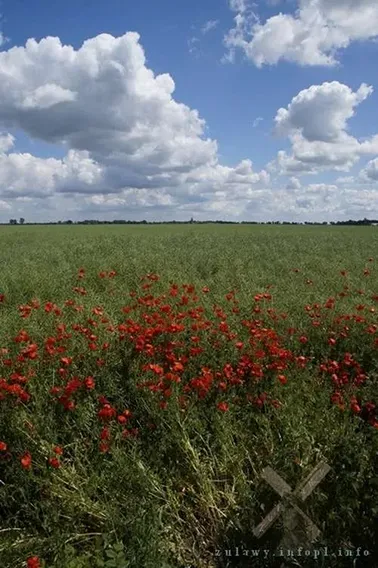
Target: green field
(176,485)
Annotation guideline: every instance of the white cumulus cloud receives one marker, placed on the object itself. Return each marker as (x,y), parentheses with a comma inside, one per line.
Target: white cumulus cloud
(370,171)
(312,35)
(128,140)
(321,112)
(316,123)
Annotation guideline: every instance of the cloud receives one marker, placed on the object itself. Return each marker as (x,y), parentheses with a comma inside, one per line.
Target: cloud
(345,179)
(316,123)
(313,35)
(193,42)
(238,5)
(128,141)
(47,96)
(210,25)
(321,112)
(370,171)
(4,206)
(321,202)
(3,39)
(314,157)
(293,183)
(6,142)
(256,121)
(39,177)
(133,151)
(192,45)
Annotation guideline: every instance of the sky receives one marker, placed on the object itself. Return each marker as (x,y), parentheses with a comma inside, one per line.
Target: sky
(212,109)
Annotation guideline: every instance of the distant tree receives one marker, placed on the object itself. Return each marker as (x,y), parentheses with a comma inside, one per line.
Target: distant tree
(22,220)
(13,221)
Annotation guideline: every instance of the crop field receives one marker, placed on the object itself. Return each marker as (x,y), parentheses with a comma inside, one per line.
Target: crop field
(149,375)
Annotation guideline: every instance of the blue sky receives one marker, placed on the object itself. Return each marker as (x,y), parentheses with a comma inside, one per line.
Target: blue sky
(111,143)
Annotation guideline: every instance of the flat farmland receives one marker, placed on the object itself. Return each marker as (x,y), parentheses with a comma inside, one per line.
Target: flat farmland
(149,374)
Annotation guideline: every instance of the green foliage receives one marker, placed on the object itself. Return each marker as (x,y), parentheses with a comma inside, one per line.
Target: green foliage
(173,495)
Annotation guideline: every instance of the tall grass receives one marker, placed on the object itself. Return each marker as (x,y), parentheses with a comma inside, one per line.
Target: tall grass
(177,481)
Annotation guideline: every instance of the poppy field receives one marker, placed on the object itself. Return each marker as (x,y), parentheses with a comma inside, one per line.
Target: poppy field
(149,374)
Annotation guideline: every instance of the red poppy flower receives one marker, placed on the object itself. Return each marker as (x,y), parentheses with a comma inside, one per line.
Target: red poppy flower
(105,434)
(104,447)
(106,413)
(89,383)
(33,562)
(26,460)
(54,462)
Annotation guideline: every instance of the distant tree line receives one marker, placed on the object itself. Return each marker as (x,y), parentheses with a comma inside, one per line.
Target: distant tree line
(192,221)
(14,221)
